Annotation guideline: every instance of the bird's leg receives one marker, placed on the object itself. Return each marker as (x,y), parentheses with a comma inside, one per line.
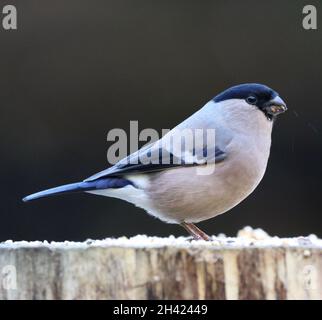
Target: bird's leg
(196,233)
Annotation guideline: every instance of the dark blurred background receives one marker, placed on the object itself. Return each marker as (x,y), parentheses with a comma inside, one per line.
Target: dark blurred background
(76,69)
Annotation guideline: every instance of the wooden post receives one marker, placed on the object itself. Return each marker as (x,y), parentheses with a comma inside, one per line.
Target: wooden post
(251,266)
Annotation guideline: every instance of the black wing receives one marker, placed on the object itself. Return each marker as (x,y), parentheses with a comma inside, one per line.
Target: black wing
(151,159)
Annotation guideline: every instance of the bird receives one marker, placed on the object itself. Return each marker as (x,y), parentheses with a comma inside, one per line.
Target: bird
(177,191)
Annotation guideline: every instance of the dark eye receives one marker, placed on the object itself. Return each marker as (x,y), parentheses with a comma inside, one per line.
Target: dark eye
(251,99)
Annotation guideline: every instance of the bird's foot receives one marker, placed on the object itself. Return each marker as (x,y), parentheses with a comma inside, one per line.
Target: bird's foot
(196,233)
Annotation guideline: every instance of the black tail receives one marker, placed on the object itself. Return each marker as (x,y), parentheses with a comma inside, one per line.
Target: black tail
(100,184)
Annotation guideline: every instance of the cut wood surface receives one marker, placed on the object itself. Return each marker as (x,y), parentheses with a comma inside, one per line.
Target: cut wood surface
(250,266)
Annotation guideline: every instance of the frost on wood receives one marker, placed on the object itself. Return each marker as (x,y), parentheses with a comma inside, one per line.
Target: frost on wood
(251,266)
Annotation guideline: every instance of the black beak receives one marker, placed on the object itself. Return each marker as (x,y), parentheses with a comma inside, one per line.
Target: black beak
(275,106)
